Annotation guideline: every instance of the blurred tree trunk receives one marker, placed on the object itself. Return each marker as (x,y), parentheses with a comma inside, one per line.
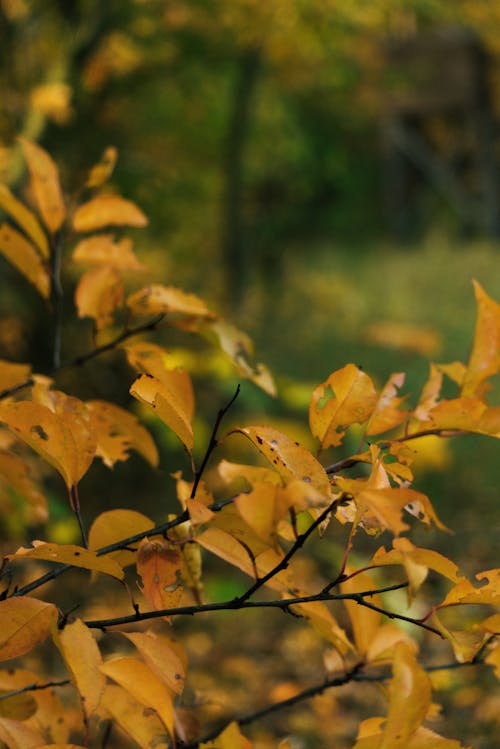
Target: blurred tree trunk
(234,254)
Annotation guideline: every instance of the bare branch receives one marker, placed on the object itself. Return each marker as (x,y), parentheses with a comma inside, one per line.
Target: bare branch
(34,688)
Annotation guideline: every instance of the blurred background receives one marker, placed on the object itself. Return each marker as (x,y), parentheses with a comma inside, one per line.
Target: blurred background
(325,173)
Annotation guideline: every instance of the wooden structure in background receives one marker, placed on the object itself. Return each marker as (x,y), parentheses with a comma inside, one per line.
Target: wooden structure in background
(439,130)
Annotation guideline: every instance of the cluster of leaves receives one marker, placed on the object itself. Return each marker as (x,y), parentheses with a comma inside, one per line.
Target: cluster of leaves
(255,517)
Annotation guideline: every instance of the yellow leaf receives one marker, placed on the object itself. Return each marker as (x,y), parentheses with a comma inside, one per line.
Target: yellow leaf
(119,431)
(144,686)
(322,621)
(236,472)
(45,183)
(465,643)
(100,172)
(230,738)
(101,249)
(17,735)
(107,210)
(262,509)
(164,398)
(365,622)
(63,439)
(163,655)
(114,525)
(25,623)
(23,256)
(70,554)
(98,294)
(12,374)
(156,299)
(484,360)
(143,726)
(347,397)
(83,659)
(422,738)
(25,219)
(387,414)
(465,592)
(159,566)
(290,460)
(17,707)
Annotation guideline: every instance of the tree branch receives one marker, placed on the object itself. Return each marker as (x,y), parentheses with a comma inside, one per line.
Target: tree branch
(34,688)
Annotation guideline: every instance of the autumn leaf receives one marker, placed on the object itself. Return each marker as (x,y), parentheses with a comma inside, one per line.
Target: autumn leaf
(347,397)
(230,738)
(17,735)
(172,407)
(322,621)
(466,644)
(77,556)
(25,219)
(45,183)
(102,171)
(365,622)
(290,460)
(156,299)
(82,657)
(103,250)
(25,623)
(65,439)
(12,374)
(484,360)
(144,686)
(114,525)
(159,566)
(465,592)
(23,256)
(98,294)
(263,508)
(387,413)
(164,656)
(118,431)
(107,210)
(143,726)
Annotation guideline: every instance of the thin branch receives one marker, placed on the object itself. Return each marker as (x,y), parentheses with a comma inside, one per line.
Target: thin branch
(212,444)
(34,688)
(284,604)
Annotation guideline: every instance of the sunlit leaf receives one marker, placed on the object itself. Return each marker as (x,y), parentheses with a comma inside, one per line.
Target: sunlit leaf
(83,659)
(230,738)
(63,439)
(70,554)
(163,655)
(118,431)
(387,413)
(159,566)
(25,623)
(23,256)
(347,397)
(17,735)
(263,508)
(291,460)
(141,724)
(364,622)
(422,738)
(155,299)
(102,249)
(25,219)
(114,525)
(98,294)
(466,592)
(144,686)
(168,403)
(107,210)
(484,360)
(46,186)
(102,171)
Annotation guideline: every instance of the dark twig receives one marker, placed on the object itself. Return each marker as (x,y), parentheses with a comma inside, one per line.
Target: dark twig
(34,688)
(212,444)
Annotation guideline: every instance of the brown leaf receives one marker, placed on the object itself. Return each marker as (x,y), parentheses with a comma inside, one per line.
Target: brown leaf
(159,566)
(25,219)
(25,623)
(23,256)
(46,186)
(107,210)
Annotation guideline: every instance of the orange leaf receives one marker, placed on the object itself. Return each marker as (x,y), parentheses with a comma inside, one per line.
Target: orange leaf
(143,726)
(83,659)
(23,256)
(100,172)
(387,414)
(25,219)
(101,249)
(262,509)
(173,410)
(484,360)
(347,397)
(291,460)
(12,374)
(163,655)
(107,210)
(45,183)
(159,566)
(25,623)
(77,556)
(98,294)
(114,525)
(62,439)
(119,431)
(155,299)
(144,686)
